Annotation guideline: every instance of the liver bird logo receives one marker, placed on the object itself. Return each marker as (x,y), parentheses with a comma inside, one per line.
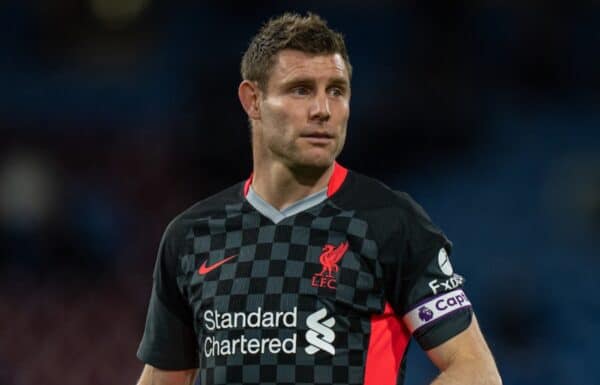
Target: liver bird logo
(330,256)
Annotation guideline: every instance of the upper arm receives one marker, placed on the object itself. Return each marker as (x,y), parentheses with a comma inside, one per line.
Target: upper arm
(435,309)
(154,376)
(169,339)
(421,283)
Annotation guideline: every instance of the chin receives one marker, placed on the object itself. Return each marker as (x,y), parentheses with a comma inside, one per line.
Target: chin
(315,158)
(316,162)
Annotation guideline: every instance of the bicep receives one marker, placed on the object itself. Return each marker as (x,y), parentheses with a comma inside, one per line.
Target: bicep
(155,376)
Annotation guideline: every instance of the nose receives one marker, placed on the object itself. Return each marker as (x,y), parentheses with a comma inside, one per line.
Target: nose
(320,108)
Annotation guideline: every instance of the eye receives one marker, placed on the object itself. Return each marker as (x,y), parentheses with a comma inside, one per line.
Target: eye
(336,91)
(301,90)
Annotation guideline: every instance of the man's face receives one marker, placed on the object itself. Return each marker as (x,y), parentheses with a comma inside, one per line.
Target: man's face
(304,110)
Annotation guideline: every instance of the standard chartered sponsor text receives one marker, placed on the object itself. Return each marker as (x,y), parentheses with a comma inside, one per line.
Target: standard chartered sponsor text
(216,321)
(243,345)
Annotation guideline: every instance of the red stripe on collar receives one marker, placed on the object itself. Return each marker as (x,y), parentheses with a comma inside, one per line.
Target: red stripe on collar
(337,178)
(247,184)
(335,182)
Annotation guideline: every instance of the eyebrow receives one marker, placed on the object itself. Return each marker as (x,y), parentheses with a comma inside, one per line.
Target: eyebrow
(337,81)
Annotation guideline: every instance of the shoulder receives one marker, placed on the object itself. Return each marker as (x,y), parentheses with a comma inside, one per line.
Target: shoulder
(361,192)
(214,206)
(390,214)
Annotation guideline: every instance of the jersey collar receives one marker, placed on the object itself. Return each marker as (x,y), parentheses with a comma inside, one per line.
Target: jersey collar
(335,181)
(277,216)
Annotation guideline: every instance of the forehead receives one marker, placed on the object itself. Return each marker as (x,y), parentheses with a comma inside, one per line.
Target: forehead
(293,64)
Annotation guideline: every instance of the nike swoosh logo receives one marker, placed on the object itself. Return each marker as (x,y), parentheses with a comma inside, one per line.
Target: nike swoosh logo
(207,269)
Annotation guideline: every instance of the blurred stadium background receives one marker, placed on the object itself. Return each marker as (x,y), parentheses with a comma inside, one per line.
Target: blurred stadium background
(115,115)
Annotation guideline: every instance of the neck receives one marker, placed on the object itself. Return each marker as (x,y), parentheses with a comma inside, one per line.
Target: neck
(281,186)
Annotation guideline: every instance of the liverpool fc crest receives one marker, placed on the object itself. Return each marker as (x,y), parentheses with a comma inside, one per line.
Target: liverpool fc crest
(329,259)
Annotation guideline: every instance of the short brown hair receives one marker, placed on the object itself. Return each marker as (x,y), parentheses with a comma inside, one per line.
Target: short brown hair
(308,34)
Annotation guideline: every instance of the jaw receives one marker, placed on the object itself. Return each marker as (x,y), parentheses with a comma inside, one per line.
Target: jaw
(297,152)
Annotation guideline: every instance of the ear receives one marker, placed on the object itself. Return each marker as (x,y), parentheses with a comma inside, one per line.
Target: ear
(249,95)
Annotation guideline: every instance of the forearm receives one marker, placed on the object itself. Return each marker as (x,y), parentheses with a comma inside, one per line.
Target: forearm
(469,373)
(154,376)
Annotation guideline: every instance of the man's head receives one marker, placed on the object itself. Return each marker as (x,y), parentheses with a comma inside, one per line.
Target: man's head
(296,91)
(309,34)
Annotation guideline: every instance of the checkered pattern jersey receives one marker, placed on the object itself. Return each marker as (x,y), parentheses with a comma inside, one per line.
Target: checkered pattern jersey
(195,317)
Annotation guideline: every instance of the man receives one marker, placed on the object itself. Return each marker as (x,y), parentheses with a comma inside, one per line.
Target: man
(306,273)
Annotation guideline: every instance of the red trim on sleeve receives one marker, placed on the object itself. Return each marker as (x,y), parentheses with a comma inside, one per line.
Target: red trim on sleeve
(387,346)
(247,184)
(337,178)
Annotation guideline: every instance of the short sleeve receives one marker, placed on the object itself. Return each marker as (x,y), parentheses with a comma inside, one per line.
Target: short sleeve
(169,341)
(424,289)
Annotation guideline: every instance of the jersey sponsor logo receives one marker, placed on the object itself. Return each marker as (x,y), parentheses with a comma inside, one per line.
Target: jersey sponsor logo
(320,335)
(446,285)
(329,259)
(215,321)
(444,263)
(204,269)
(435,308)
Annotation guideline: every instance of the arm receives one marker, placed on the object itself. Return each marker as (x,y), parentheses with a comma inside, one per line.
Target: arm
(154,376)
(465,360)
(169,344)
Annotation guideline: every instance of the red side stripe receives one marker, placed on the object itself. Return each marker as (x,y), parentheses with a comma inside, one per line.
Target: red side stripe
(387,346)
(337,178)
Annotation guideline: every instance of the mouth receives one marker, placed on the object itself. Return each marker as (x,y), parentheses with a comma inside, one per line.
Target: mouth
(317,135)
(318,138)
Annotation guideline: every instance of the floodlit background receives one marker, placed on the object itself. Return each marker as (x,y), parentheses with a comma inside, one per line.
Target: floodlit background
(115,115)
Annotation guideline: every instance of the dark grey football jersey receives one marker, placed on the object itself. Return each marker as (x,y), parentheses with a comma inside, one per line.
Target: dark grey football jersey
(329,292)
